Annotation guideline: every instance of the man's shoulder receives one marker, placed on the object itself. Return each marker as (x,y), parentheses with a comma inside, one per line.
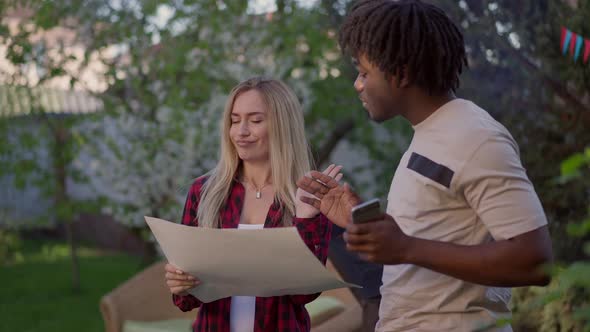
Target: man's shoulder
(470,118)
(456,136)
(464,125)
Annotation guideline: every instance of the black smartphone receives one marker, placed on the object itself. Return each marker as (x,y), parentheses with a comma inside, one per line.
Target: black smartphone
(366,211)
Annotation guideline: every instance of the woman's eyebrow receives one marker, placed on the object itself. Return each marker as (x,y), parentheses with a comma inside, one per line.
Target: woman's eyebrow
(249,113)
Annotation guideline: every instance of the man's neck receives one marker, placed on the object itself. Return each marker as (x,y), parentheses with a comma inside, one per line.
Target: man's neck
(423,105)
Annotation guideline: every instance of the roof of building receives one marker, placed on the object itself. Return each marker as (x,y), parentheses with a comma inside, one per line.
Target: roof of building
(18,101)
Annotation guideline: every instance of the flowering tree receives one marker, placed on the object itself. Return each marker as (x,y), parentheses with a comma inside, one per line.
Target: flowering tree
(162,71)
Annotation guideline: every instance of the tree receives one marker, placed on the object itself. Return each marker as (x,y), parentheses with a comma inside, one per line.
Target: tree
(42,126)
(539,94)
(164,70)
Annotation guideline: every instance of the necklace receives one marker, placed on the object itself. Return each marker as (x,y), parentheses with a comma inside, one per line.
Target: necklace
(258,191)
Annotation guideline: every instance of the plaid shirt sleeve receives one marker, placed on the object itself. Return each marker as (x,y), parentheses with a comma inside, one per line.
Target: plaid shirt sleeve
(189,217)
(316,233)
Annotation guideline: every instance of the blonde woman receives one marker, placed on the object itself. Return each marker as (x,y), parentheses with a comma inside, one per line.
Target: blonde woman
(263,153)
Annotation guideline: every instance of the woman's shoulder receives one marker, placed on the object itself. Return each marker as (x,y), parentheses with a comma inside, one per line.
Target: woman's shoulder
(198,183)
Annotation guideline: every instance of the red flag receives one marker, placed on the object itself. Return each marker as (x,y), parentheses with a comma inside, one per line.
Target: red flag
(563,33)
(586,50)
(573,43)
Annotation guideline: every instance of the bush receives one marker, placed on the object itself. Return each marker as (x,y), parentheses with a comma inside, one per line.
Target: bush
(565,304)
(10,245)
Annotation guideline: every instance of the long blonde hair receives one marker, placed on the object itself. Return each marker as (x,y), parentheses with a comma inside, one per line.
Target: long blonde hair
(288,148)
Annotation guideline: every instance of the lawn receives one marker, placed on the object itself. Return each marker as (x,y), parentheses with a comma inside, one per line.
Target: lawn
(36,293)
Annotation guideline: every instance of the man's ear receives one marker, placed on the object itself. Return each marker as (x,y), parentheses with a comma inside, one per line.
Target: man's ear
(400,79)
(404,82)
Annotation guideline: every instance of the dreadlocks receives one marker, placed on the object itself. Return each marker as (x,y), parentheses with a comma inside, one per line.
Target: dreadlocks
(406,36)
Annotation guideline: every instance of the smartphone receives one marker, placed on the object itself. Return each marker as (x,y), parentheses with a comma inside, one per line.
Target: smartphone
(366,211)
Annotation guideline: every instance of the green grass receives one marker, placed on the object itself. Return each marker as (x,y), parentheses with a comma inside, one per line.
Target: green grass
(36,292)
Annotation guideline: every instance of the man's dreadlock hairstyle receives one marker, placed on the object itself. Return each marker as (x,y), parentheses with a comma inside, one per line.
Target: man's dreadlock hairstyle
(406,35)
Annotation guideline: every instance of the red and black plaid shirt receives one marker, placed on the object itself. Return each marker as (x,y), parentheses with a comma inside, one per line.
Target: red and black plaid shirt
(278,313)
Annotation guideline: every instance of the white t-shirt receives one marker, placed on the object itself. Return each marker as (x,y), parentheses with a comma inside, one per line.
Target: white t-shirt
(243,308)
(460,181)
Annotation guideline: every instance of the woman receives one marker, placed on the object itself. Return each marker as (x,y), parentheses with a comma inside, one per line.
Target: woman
(263,153)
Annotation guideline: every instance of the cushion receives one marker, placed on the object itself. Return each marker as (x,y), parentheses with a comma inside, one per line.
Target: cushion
(324,308)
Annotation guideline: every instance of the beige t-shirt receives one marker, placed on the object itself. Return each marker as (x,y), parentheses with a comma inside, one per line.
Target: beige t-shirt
(460,181)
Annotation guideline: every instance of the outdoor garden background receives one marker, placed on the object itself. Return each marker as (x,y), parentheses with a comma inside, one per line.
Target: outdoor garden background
(109,109)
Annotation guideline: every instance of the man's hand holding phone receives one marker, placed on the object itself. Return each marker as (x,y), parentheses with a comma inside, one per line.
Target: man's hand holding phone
(376,236)
(366,211)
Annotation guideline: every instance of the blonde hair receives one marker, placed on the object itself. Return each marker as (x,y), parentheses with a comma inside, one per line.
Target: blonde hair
(288,149)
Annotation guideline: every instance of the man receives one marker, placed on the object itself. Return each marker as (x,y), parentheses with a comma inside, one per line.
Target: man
(463,221)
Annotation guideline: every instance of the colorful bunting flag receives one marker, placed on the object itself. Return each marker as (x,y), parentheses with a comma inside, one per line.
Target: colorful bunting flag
(586,49)
(579,42)
(567,38)
(574,43)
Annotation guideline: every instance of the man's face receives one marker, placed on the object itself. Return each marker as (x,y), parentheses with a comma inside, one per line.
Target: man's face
(381,97)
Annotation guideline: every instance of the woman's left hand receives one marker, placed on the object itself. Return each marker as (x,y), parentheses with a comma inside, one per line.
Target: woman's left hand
(304,210)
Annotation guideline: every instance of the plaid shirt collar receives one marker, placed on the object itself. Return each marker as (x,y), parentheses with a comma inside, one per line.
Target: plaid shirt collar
(232,211)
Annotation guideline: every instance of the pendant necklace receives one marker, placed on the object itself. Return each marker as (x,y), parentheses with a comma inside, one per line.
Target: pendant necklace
(258,191)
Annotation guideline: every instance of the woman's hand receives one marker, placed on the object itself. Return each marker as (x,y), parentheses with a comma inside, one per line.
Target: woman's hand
(304,210)
(178,281)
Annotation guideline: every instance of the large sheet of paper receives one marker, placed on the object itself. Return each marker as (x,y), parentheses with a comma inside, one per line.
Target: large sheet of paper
(230,262)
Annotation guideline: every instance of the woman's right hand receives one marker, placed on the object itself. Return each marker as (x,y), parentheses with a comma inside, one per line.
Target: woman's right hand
(178,281)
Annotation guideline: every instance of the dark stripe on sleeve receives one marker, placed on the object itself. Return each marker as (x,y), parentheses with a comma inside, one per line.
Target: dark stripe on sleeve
(430,169)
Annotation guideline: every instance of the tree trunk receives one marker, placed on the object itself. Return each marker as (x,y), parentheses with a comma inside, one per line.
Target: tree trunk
(322,154)
(61,198)
(73,255)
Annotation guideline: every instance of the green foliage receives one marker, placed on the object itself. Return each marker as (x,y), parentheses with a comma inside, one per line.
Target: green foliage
(572,167)
(547,309)
(575,278)
(565,304)
(10,245)
(161,78)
